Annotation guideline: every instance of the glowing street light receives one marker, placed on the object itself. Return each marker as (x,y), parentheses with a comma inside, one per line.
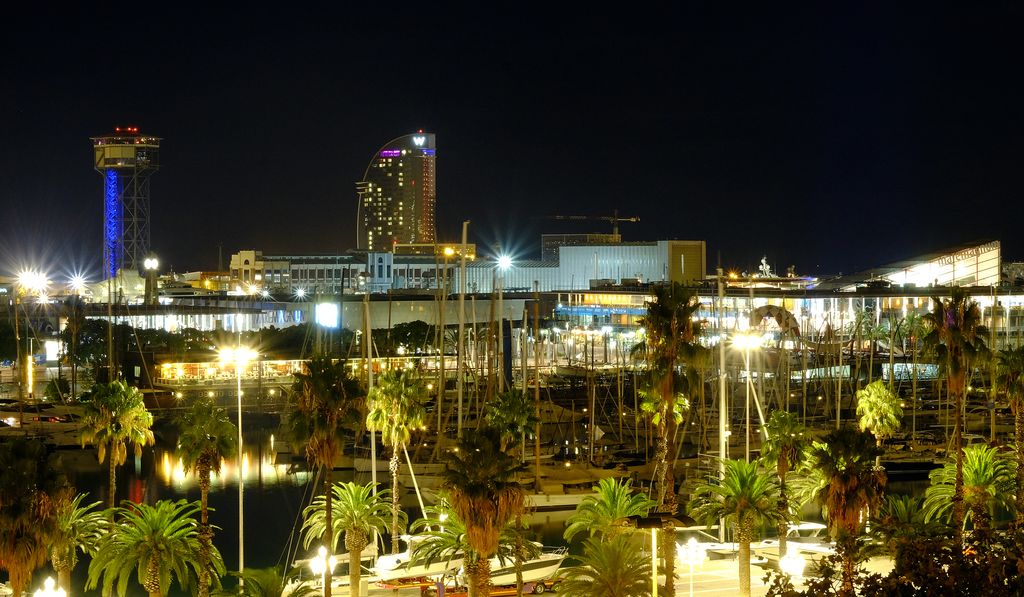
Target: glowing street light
(77,283)
(300,293)
(793,564)
(692,554)
(32,281)
(239,355)
(50,589)
(150,265)
(321,564)
(504,262)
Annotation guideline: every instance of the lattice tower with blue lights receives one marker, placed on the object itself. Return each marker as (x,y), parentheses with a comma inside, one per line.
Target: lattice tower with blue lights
(126,160)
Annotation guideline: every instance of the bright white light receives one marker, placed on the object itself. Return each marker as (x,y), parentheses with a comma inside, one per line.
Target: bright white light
(693,553)
(52,350)
(320,563)
(793,563)
(239,355)
(49,589)
(77,283)
(300,292)
(33,281)
(504,262)
(747,341)
(265,294)
(606,329)
(327,315)
(151,263)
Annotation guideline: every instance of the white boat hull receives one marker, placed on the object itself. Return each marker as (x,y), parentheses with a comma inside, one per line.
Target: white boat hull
(541,568)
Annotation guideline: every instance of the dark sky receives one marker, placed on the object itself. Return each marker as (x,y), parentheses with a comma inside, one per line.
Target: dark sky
(834,138)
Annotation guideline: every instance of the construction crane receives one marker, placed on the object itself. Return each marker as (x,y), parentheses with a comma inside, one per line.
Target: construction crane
(614,219)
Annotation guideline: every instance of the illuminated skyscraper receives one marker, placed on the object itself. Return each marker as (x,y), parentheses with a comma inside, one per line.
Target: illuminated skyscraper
(126,160)
(397,195)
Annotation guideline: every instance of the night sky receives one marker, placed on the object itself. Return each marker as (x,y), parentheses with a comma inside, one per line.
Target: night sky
(834,139)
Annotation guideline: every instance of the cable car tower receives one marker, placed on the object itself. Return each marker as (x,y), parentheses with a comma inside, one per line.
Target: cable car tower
(126,160)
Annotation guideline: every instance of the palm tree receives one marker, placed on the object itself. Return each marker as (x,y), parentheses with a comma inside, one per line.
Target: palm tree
(849,484)
(1010,378)
(988,483)
(326,401)
(116,417)
(78,528)
(607,569)
(670,335)
(670,342)
(395,410)
(957,339)
(207,437)
(607,514)
(512,414)
(783,447)
(880,413)
(480,480)
(275,581)
(32,487)
(155,543)
(743,497)
(443,537)
(358,512)
(914,327)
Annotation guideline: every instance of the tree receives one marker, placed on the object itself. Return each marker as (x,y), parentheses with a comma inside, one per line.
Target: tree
(880,413)
(957,340)
(116,417)
(77,528)
(988,483)
(443,537)
(326,401)
(275,581)
(155,543)
(607,514)
(1010,378)
(744,498)
(207,437)
(357,512)
(670,335)
(783,448)
(915,329)
(512,414)
(607,569)
(395,410)
(480,480)
(670,343)
(850,485)
(32,487)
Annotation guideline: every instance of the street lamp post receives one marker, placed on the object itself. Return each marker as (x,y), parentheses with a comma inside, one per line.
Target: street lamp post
(321,564)
(150,265)
(239,355)
(693,554)
(50,589)
(746,343)
(504,263)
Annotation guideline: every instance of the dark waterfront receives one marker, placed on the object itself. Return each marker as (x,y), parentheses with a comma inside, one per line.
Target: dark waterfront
(274,498)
